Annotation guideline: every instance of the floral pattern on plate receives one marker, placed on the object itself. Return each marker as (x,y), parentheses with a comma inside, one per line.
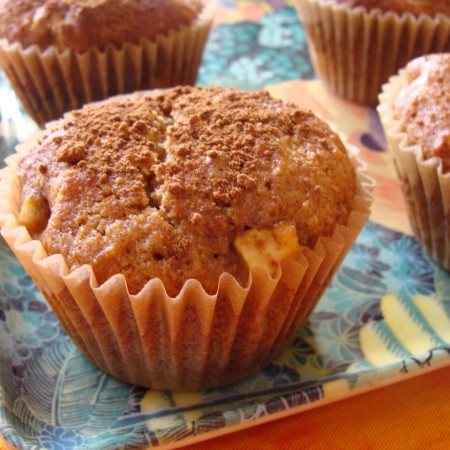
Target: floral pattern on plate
(52,397)
(248,55)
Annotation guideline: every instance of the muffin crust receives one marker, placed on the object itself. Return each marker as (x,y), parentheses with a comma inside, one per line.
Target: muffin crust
(423,107)
(162,185)
(81,24)
(415,7)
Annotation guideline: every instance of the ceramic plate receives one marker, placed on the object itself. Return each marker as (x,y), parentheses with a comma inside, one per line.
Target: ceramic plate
(385,315)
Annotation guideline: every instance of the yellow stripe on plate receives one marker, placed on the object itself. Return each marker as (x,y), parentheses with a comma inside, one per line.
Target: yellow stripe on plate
(435,314)
(336,388)
(409,333)
(374,347)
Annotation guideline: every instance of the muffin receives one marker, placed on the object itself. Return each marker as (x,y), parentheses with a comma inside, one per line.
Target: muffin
(183,237)
(415,113)
(61,54)
(356,45)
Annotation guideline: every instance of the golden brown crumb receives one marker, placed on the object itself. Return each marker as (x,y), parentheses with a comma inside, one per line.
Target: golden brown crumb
(161,186)
(81,24)
(423,107)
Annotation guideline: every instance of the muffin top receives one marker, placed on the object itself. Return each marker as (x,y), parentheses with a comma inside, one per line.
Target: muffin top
(184,184)
(423,107)
(415,7)
(81,24)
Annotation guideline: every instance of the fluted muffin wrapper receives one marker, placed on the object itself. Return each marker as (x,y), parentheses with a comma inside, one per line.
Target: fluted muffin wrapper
(355,51)
(426,188)
(195,340)
(51,82)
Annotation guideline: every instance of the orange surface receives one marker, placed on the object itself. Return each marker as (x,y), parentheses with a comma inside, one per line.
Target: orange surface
(413,414)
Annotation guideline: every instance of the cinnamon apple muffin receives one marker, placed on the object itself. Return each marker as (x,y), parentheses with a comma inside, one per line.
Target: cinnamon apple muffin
(211,220)
(356,45)
(60,54)
(415,112)
(153,187)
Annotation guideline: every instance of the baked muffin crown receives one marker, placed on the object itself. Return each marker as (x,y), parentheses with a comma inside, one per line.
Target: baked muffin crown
(423,106)
(163,185)
(81,24)
(415,7)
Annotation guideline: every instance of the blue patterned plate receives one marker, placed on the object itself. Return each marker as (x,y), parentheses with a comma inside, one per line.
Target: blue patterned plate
(385,314)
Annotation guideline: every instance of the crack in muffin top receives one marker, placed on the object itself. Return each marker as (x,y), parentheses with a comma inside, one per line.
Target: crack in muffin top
(161,185)
(82,24)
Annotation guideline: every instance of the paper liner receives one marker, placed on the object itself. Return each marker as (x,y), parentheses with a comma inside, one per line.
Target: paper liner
(52,82)
(425,187)
(192,341)
(355,51)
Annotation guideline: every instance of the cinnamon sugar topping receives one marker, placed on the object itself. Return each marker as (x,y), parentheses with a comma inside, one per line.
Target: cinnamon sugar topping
(71,152)
(181,175)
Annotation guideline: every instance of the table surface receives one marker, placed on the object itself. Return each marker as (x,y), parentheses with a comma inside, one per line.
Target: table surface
(259,44)
(413,414)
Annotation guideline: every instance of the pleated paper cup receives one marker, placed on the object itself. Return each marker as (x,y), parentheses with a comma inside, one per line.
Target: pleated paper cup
(194,340)
(425,186)
(51,82)
(355,51)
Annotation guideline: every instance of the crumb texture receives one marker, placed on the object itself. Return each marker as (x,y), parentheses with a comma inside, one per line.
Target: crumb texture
(415,7)
(162,185)
(82,24)
(423,107)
